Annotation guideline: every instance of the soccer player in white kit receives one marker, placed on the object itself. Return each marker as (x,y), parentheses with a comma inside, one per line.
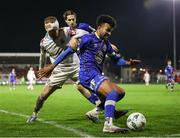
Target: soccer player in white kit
(31,78)
(146,78)
(53,43)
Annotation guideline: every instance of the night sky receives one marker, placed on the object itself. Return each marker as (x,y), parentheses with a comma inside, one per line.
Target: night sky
(144,31)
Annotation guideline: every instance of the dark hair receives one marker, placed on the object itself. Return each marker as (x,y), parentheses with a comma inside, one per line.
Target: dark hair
(50,18)
(168,60)
(106,19)
(68,12)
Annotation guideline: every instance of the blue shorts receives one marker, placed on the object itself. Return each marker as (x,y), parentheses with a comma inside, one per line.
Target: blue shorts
(92,81)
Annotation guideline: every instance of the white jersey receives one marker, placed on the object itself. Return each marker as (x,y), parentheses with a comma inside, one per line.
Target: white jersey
(69,67)
(55,47)
(146,77)
(31,75)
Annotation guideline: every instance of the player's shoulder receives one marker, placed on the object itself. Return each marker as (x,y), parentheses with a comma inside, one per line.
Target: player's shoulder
(87,37)
(82,29)
(86,27)
(46,40)
(66,29)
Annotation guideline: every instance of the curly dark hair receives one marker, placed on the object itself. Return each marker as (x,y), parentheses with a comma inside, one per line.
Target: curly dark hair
(101,19)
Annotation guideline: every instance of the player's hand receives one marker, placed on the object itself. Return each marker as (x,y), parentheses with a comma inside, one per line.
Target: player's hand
(46,71)
(133,62)
(115,48)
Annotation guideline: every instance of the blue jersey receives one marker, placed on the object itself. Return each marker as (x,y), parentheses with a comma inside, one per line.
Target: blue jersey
(92,52)
(169,71)
(12,77)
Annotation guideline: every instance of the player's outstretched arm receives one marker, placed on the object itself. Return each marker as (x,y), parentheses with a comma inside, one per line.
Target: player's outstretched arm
(121,62)
(134,61)
(114,47)
(46,71)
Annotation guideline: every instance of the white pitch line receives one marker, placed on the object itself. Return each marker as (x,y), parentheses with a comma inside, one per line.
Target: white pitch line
(173,135)
(55,124)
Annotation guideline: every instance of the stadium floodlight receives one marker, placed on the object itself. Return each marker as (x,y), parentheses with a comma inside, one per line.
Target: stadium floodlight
(149,4)
(174,33)
(174,30)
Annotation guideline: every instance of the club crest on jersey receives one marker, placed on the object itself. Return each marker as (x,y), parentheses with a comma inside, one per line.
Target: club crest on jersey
(99,57)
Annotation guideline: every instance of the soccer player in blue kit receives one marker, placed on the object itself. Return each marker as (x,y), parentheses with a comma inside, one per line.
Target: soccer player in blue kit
(70,17)
(12,79)
(92,49)
(170,78)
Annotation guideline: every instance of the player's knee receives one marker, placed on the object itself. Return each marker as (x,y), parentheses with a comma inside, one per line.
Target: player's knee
(114,95)
(43,96)
(119,90)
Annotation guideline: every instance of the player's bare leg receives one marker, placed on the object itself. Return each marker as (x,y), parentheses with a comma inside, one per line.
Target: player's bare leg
(47,91)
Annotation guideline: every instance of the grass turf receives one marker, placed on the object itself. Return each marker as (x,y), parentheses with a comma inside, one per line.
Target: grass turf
(65,109)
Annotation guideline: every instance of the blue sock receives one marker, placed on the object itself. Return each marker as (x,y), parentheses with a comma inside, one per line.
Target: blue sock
(93,98)
(120,96)
(111,99)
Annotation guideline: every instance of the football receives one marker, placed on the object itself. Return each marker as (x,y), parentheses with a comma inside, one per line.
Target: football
(136,121)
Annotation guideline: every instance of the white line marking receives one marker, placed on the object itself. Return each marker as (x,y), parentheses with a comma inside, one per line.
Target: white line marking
(51,123)
(173,135)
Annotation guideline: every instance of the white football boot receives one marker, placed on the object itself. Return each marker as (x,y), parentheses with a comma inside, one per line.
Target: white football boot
(110,128)
(32,118)
(93,115)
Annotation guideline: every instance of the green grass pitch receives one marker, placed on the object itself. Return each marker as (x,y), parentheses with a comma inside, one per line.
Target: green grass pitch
(63,114)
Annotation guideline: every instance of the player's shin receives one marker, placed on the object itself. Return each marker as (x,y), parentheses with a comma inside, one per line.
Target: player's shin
(94,99)
(39,104)
(90,96)
(111,99)
(109,111)
(110,104)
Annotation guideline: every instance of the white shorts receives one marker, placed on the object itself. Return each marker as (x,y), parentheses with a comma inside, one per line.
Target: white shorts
(61,74)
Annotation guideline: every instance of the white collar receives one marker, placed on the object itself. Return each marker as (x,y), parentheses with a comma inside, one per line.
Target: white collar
(97,35)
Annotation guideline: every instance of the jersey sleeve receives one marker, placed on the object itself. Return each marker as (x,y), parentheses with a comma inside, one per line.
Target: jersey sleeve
(47,43)
(80,33)
(115,57)
(111,52)
(43,57)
